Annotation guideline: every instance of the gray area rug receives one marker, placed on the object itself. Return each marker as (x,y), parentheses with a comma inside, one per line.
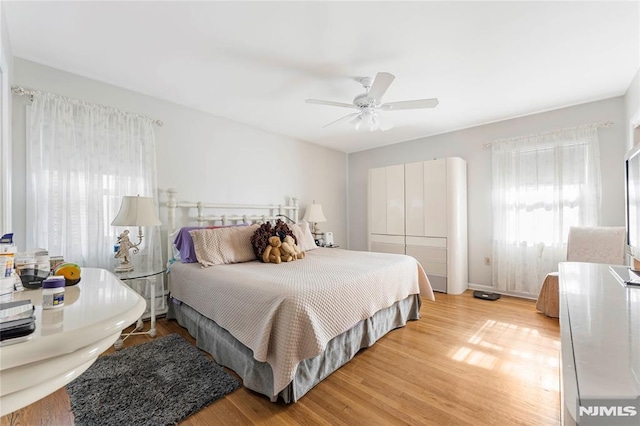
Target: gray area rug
(157,383)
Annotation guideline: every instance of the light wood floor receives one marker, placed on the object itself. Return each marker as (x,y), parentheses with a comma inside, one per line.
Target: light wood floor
(466,361)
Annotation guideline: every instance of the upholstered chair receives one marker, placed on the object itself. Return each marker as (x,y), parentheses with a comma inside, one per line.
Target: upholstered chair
(584,244)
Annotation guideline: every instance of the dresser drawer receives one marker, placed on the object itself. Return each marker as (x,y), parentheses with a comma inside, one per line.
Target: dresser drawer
(434,254)
(387,248)
(435,268)
(432,259)
(438,283)
(386,238)
(427,241)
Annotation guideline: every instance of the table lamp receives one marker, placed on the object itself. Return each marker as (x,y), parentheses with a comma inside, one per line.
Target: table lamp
(315,215)
(134,211)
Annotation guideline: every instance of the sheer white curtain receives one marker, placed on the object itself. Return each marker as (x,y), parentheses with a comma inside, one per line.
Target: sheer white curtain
(82,158)
(542,185)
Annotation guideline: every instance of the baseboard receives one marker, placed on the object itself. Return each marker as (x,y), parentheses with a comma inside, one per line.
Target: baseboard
(489,288)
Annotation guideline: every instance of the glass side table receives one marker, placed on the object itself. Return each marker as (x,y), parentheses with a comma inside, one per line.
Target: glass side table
(149,277)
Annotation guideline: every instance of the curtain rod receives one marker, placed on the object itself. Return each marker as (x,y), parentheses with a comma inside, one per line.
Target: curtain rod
(551,132)
(22,91)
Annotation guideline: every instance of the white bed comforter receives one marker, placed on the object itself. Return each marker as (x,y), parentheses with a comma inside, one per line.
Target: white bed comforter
(288,312)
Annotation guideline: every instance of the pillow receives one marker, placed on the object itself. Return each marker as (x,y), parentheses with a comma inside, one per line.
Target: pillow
(260,238)
(303,234)
(184,243)
(175,251)
(220,246)
(281,229)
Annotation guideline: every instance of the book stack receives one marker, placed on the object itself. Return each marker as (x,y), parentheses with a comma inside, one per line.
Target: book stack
(7,272)
(17,321)
(7,287)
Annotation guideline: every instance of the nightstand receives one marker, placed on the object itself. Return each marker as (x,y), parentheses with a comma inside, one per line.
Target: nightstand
(149,277)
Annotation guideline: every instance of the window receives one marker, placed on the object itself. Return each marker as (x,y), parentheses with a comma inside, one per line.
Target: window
(542,185)
(81,160)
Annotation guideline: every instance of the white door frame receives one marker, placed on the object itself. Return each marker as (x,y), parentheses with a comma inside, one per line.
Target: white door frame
(5,146)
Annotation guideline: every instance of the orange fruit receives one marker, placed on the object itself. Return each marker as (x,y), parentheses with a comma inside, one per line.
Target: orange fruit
(70,272)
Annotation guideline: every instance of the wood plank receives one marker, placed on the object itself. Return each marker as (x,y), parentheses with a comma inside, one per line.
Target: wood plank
(466,361)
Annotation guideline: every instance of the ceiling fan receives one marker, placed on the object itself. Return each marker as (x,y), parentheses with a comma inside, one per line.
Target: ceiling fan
(369,104)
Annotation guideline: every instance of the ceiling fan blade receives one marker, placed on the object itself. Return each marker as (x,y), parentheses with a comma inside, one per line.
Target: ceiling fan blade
(330,103)
(416,104)
(380,85)
(345,118)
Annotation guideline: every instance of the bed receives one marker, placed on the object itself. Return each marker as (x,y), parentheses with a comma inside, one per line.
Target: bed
(284,328)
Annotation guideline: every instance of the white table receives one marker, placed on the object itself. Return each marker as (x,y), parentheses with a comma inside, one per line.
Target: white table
(149,277)
(66,340)
(600,343)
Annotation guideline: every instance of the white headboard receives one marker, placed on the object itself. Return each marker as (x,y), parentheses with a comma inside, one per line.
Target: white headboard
(249,213)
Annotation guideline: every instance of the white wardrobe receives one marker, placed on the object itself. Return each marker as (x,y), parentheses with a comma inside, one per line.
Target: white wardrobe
(420,209)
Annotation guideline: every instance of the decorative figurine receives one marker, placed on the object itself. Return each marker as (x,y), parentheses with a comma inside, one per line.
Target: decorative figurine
(123,252)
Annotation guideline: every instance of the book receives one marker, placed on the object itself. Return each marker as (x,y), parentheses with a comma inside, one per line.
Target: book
(16,320)
(634,277)
(16,310)
(626,275)
(17,328)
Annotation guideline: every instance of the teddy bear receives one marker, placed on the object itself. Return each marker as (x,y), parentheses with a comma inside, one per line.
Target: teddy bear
(288,252)
(289,246)
(273,253)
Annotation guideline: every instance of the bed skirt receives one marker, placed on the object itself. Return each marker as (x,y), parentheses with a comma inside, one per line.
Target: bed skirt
(258,376)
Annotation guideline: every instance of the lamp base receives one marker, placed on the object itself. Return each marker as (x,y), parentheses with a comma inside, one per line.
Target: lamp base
(124,268)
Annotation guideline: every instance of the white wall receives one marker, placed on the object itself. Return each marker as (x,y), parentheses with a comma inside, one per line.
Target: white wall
(468,144)
(233,163)
(632,109)
(202,156)
(6,73)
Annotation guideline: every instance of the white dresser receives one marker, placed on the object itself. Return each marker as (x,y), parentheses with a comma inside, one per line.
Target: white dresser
(67,340)
(600,347)
(420,209)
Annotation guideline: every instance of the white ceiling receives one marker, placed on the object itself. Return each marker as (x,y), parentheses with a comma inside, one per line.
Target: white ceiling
(256,62)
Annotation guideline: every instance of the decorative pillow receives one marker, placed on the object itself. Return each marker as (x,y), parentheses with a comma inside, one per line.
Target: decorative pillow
(305,240)
(282,230)
(260,239)
(223,245)
(184,243)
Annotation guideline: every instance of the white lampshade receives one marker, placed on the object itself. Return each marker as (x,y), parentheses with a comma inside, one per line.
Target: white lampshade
(137,211)
(314,214)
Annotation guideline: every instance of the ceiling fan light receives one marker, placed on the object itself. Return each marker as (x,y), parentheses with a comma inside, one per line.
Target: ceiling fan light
(357,122)
(375,123)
